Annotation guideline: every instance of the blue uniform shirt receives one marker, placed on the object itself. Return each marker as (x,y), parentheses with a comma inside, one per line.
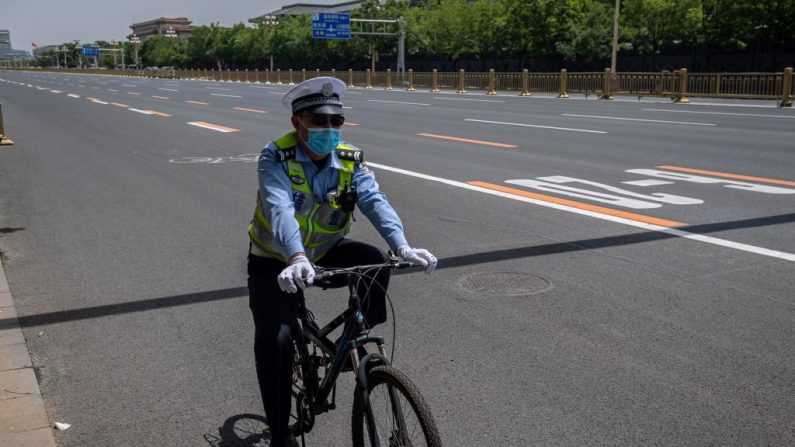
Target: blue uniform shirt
(276,196)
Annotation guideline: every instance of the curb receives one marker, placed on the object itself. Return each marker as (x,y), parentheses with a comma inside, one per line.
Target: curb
(23,418)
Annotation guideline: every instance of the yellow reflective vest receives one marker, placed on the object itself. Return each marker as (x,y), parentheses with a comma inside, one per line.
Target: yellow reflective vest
(322,224)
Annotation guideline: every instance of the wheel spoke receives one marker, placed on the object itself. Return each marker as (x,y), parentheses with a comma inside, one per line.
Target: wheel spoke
(387,422)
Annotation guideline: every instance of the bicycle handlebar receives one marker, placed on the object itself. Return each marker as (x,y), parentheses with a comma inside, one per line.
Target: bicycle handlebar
(323,275)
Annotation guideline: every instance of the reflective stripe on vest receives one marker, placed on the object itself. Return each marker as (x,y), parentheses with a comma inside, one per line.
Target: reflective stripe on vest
(321,224)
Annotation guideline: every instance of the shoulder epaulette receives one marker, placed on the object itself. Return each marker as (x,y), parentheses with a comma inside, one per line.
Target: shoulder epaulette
(353,154)
(286,154)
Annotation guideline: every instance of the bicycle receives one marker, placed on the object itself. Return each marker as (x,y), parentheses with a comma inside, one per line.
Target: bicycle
(386,403)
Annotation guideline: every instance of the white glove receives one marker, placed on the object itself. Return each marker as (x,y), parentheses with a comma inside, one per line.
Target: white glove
(295,273)
(419,256)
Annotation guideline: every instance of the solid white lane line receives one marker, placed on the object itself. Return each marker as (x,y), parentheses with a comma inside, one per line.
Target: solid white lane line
(245,109)
(536,126)
(649,182)
(167,89)
(399,102)
(227,96)
(672,231)
(467,99)
(721,113)
(717,104)
(214,127)
(636,119)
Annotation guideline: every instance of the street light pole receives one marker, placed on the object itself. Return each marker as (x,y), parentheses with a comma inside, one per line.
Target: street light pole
(615,38)
(135,40)
(271,21)
(79,58)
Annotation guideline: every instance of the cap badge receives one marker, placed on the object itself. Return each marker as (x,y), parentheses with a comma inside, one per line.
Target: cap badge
(327,89)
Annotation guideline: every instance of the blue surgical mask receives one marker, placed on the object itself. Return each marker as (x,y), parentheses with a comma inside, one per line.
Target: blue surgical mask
(323,141)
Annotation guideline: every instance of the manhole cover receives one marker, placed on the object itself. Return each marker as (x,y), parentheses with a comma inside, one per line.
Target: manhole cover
(504,283)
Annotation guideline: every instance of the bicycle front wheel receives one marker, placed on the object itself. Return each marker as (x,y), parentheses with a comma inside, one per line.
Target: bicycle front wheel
(400,414)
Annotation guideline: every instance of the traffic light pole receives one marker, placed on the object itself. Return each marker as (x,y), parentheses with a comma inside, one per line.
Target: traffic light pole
(378,27)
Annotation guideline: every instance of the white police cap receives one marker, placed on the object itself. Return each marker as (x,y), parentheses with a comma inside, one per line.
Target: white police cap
(320,95)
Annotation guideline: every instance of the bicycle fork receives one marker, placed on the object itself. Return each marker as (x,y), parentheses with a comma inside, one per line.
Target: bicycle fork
(364,395)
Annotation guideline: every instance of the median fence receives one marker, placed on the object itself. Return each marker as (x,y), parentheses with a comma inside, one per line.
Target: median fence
(678,85)
(4,140)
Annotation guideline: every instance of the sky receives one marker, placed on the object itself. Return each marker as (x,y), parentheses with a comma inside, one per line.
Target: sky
(49,22)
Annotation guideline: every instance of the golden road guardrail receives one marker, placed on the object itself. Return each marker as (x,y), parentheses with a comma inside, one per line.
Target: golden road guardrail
(4,140)
(678,85)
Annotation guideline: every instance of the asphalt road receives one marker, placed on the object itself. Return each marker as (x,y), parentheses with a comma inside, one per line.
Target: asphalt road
(611,273)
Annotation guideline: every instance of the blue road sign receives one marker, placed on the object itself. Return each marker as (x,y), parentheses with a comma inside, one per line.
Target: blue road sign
(91,50)
(328,25)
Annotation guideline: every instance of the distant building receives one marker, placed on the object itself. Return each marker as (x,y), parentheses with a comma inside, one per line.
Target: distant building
(296,9)
(6,52)
(179,27)
(43,51)
(5,41)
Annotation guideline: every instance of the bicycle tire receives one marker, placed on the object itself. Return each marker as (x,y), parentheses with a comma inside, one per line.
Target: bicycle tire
(298,423)
(420,427)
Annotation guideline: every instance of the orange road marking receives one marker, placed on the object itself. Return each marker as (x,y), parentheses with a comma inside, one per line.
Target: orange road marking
(120,105)
(582,206)
(243,109)
(467,140)
(727,175)
(134,93)
(213,126)
(160,97)
(197,102)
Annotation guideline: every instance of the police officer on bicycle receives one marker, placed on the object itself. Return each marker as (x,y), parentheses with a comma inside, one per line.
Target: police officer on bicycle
(309,182)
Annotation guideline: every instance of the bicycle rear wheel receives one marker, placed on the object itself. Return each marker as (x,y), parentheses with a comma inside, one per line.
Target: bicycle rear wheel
(301,418)
(402,418)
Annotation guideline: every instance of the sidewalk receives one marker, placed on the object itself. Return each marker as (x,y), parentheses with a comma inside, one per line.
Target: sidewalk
(23,419)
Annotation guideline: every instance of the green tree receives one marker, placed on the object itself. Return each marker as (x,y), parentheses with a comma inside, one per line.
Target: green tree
(163,51)
(484,36)
(771,26)
(652,24)
(587,34)
(534,27)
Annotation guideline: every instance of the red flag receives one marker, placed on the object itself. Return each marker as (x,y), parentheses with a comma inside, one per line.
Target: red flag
(34,45)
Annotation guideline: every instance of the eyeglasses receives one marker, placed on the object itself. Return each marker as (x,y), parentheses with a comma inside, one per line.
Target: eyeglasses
(321,120)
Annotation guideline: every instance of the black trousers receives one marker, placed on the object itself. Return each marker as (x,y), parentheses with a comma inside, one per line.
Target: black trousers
(275,320)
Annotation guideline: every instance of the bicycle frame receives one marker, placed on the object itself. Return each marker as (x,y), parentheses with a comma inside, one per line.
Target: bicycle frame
(349,344)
